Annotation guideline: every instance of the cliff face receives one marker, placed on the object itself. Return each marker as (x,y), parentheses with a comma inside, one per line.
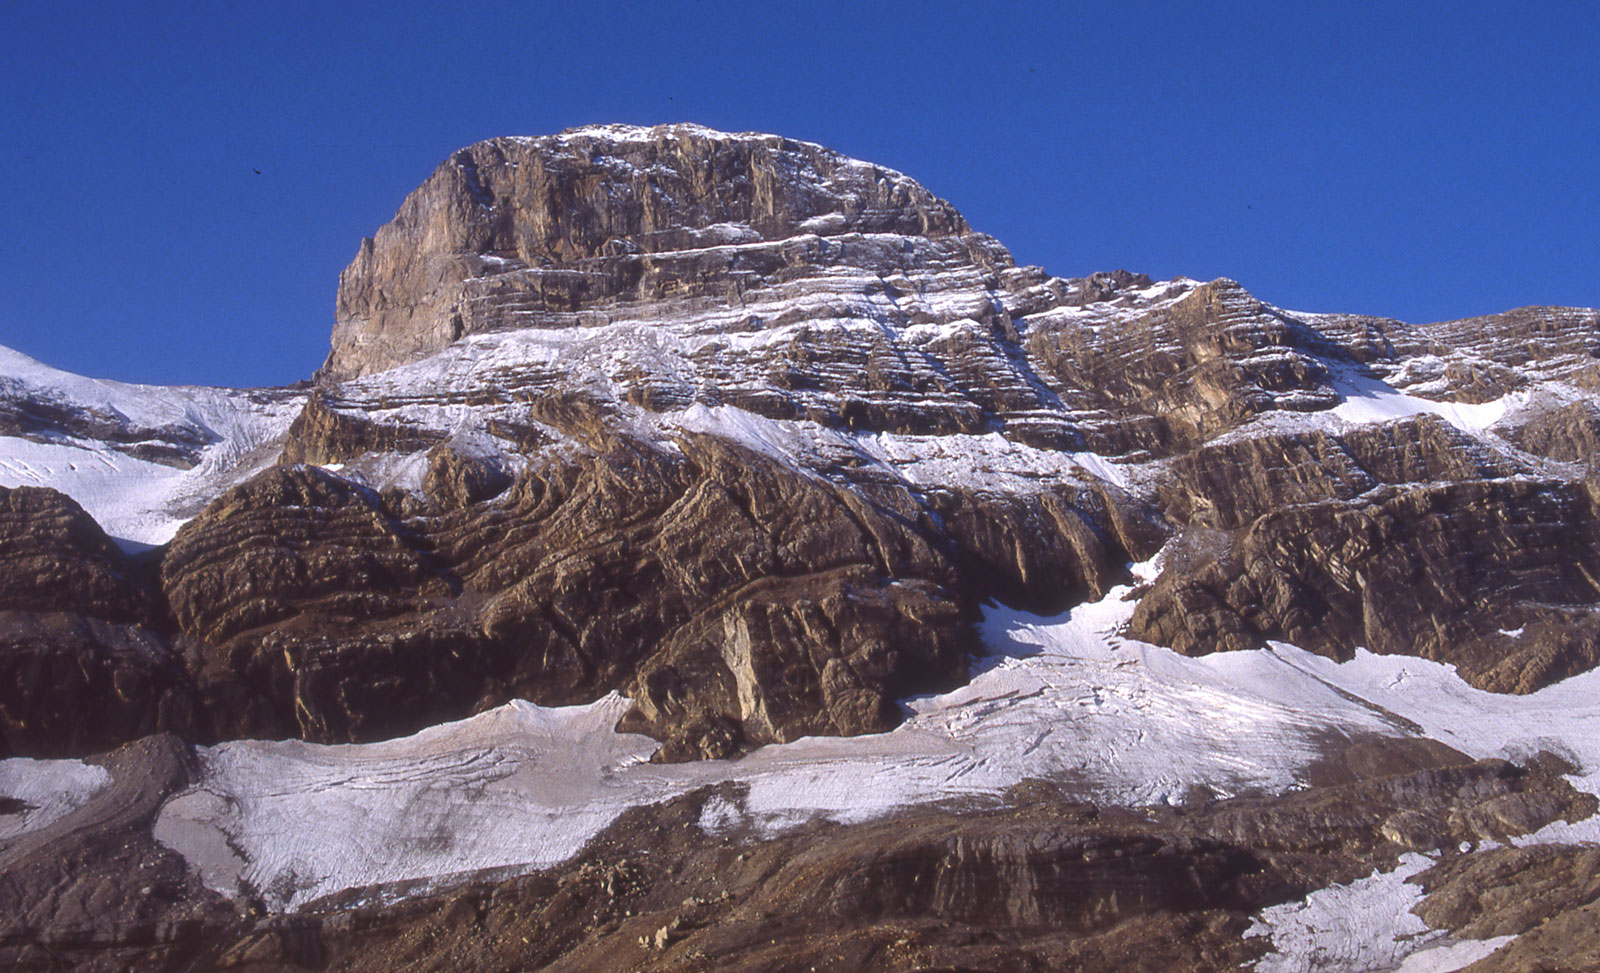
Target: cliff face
(756,435)
(548,232)
(748,429)
(83,652)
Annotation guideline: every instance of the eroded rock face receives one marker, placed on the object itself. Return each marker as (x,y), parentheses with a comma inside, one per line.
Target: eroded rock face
(1494,576)
(1185,371)
(1569,434)
(82,648)
(533,232)
(1548,897)
(79,685)
(55,558)
(735,600)
(1409,537)
(748,430)
(288,540)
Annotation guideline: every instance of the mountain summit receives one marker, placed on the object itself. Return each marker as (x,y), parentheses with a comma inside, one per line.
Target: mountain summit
(556,231)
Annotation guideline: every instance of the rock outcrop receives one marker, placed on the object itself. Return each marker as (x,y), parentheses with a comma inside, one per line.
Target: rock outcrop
(552,232)
(82,649)
(55,558)
(735,600)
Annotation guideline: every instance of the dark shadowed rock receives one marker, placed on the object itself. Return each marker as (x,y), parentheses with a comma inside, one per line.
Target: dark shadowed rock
(82,644)
(54,557)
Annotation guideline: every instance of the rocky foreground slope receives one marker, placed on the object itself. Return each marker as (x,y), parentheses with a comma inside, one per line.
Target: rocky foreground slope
(771,443)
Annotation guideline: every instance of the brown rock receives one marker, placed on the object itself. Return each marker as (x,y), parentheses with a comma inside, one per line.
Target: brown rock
(595,217)
(288,540)
(1169,379)
(82,685)
(1444,571)
(55,558)
(737,600)
(83,646)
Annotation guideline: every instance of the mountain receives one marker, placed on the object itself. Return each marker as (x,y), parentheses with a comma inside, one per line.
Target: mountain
(707,550)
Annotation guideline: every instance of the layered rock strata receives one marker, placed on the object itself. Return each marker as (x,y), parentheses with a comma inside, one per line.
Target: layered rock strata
(1042,883)
(751,432)
(747,429)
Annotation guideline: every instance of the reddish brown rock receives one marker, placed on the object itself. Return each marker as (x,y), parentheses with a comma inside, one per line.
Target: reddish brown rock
(83,645)
(55,558)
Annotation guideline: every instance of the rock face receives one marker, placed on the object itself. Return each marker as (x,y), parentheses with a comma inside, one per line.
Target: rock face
(754,434)
(54,557)
(747,430)
(552,232)
(1505,589)
(82,647)
(735,600)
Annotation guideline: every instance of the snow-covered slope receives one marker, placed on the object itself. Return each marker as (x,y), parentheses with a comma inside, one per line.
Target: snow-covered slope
(1367,924)
(1068,699)
(141,459)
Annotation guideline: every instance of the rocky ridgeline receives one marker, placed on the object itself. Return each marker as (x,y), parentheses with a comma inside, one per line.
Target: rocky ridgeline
(571,229)
(747,430)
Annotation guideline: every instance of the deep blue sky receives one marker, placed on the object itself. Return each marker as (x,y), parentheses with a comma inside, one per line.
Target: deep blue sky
(1422,161)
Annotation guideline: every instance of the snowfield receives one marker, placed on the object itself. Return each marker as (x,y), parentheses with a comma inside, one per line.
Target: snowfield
(136,501)
(1118,721)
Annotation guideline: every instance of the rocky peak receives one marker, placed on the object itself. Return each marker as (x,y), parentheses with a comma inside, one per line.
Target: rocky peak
(733,441)
(522,232)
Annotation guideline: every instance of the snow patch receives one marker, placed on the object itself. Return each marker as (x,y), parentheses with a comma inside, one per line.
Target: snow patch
(978,462)
(1451,955)
(138,502)
(48,789)
(1365,925)
(1563,718)
(1067,698)
(526,786)
(520,784)
(824,225)
(1367,399)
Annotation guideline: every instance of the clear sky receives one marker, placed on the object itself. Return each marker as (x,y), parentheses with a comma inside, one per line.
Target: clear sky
(184,182)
